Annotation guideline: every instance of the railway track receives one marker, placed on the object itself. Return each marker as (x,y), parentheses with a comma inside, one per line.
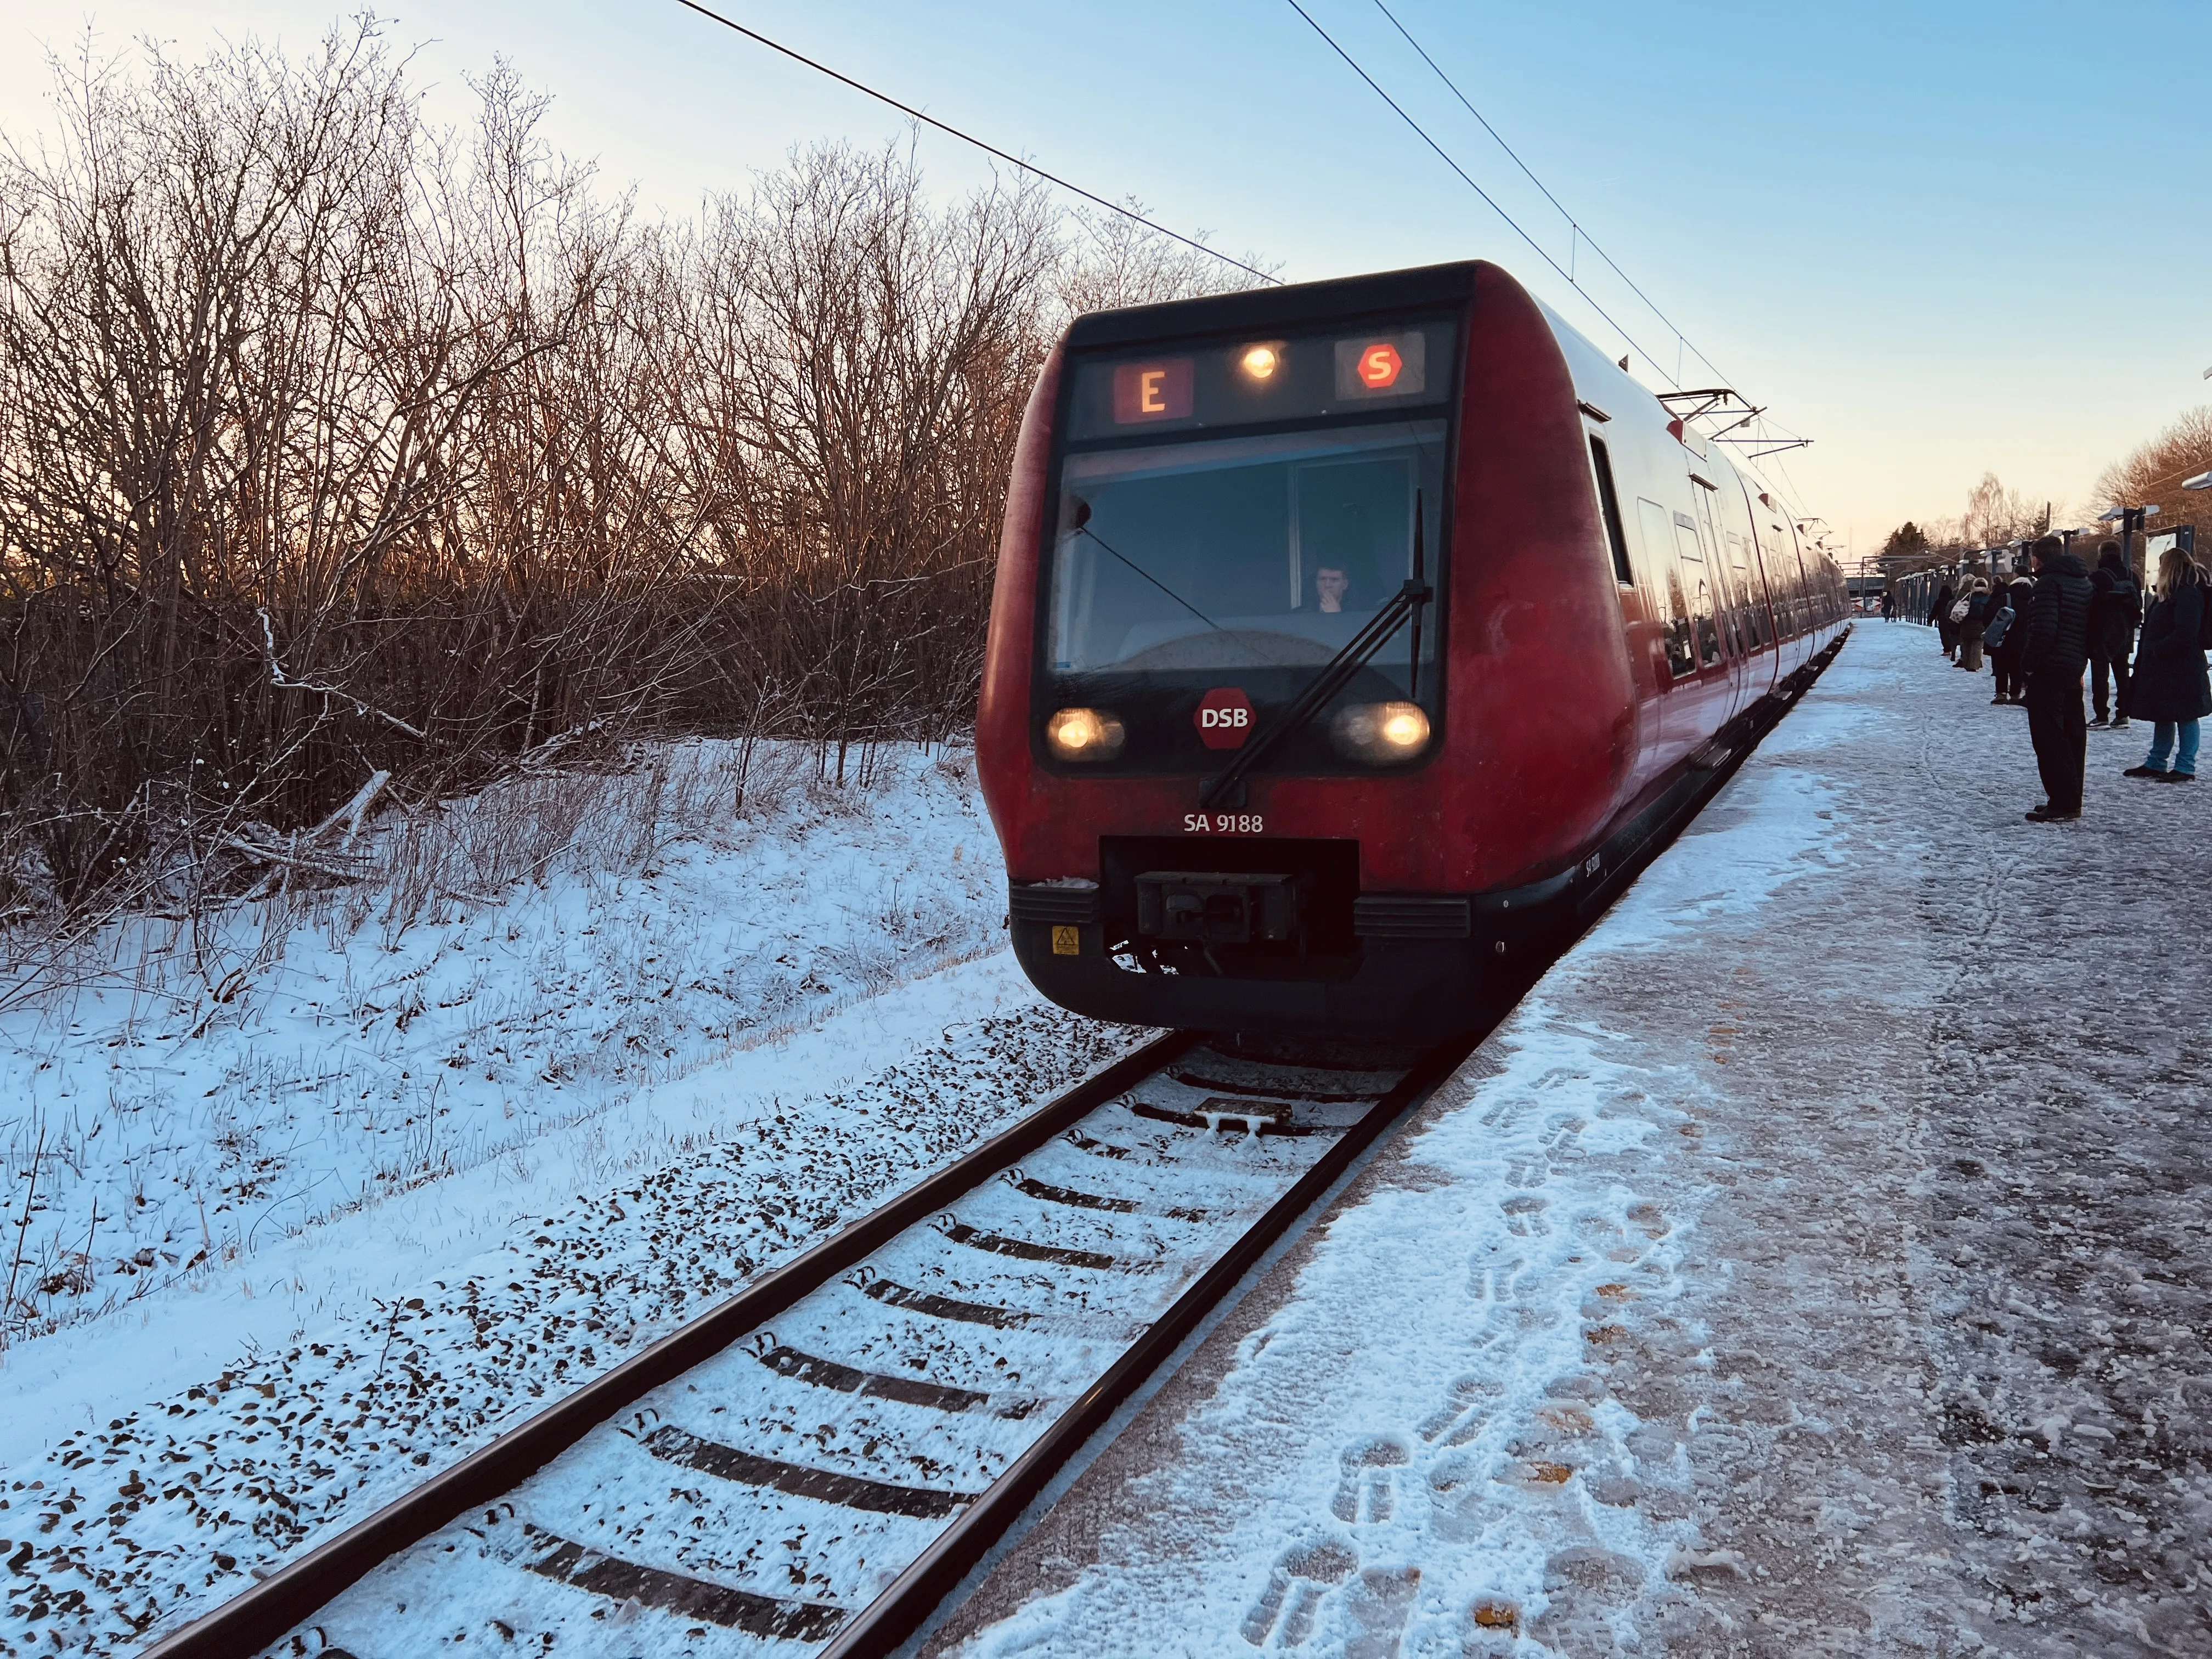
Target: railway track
(810,1467)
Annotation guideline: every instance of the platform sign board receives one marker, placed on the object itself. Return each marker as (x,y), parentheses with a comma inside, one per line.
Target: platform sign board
(2183,536)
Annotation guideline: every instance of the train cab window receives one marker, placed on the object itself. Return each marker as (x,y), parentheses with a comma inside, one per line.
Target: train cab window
(1248,560)
(1608,501)
(1244,553)
(1698,585)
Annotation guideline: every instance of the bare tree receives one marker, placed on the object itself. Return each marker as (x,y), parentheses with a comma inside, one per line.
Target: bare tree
(334,447)
(2153,476)
(1996,515)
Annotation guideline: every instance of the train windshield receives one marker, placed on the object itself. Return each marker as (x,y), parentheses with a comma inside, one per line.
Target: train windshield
(1243,553)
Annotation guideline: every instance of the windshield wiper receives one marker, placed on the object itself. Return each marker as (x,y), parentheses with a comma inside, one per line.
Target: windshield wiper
(1335,674)
(1083,528)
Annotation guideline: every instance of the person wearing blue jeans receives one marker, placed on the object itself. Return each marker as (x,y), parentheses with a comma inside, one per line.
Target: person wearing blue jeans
(2162,743)
(2170,687)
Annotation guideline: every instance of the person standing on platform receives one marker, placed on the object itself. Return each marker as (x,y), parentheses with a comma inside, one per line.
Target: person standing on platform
(2018,638)
(1944,627)
(2170,688)
(2004,655)
(1979,608)
(1889,605)
(2057,650)
(2114,614)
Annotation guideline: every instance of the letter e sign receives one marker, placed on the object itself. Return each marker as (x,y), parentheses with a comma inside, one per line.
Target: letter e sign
(1224,718)
(1160,391)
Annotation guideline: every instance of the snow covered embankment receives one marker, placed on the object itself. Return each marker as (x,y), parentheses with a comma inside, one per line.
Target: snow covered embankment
(445,1150)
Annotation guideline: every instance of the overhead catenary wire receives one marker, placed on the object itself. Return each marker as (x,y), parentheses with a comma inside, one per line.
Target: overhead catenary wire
(1579,233)
(1031,167)
(1268,277)
(1467,178)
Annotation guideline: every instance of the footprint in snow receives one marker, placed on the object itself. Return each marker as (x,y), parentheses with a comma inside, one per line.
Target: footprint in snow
(1466,1394)
(1380,1602)
(1524,1216)
(1366,1486)
(1301,1577)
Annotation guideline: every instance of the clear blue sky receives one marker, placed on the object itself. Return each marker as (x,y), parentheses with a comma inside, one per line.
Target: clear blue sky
(1941,239)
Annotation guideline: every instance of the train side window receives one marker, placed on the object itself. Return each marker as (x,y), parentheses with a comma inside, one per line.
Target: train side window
(1609,503)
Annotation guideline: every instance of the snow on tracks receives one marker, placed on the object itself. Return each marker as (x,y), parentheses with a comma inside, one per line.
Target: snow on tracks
(838,1446)
(169,1507)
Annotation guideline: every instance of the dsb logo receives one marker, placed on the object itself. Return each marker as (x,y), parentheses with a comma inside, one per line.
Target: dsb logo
(1224,718)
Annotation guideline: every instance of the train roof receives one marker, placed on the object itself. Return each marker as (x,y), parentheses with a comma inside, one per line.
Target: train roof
(1389,291)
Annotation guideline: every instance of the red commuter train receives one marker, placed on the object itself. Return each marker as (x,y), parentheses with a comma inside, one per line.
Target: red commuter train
(1348,638)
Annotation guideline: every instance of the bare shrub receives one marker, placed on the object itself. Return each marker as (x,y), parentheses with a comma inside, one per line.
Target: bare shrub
(333,445)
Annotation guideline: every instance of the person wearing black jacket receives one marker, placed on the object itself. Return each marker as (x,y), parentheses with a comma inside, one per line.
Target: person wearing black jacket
(1945,636)
(2114,611)
(2057,650)
(2011,684)
(2171,689)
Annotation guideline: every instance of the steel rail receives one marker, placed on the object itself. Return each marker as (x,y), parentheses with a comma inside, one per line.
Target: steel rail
(900,1610)
(263,1615)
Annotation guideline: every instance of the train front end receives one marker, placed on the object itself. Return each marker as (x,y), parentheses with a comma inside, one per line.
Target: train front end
(1290,691)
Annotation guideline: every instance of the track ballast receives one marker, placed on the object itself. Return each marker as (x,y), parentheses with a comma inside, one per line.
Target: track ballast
(811,1466)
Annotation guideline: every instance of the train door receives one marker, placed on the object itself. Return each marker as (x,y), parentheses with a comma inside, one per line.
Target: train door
(1786,579)
(1676,632)
(1728,596)
(1700,704)
(1753,579)
(1639,618)
(1697,585)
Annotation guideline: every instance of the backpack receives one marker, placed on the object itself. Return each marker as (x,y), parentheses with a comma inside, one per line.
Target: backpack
(2000,624)
(1959,610)
(2129,597)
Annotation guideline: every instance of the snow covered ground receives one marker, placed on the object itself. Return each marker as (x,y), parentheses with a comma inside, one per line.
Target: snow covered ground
(330,1187)
(1818,1261)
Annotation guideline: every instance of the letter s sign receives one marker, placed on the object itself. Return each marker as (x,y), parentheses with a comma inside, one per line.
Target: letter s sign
(1224,718)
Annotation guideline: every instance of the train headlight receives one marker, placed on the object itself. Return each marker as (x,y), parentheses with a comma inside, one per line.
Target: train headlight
(1083,734)
(1381,733)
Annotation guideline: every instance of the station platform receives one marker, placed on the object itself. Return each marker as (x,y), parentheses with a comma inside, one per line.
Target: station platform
(1818,1262)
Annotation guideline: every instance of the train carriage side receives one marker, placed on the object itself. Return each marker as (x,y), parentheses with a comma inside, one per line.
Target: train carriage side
(1720,598)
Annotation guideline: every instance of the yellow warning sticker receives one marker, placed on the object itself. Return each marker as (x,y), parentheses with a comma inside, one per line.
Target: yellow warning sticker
(1066,942)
